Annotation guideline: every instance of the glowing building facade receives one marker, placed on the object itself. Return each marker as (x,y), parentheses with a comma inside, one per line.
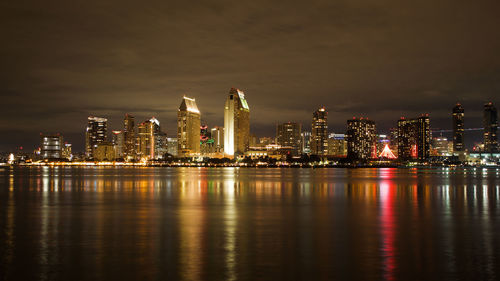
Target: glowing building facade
(188,128)
(236,123)
(337,145)
(458,128)
(319,133)
(118,142)
(289,135)
(51,146)
(490,125)
(129,142)
(217,134)
(361,139)
(96,132)
(151,141)
(414,138)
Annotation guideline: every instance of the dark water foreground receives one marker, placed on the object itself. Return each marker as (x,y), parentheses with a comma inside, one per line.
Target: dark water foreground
(228,223)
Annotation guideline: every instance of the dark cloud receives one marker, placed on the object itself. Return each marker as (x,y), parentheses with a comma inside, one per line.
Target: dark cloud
(65,60)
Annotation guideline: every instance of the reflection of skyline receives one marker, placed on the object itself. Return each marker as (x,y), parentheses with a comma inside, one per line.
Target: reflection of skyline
(198,223)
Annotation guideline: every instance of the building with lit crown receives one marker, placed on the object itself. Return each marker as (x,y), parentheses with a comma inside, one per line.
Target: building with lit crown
(319,132)
(361,139)
(236,123)
(151,141)
(188,128)
(96,132)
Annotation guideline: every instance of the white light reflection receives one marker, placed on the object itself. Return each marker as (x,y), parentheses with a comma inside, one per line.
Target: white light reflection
(230,224)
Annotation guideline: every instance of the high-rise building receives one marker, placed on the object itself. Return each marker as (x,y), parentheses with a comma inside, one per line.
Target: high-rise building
(414,138)
(151,141)
(288,135)
(490,125)
(51,146)
(118,142)
(319,134)
(236,123)
(458,128)
(361,139)
(218,137)
(188,128)
(129,142)
(97,129)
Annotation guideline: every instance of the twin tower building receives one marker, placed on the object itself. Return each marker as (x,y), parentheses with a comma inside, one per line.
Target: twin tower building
(236,131)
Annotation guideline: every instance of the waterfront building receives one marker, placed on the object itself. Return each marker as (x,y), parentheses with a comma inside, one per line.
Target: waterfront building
(414,138)
(217,134)
(188,128)
(67,151)
(96,132)
(129,141)
(172,146)
(289,135)
(337,145)
(51,146)
(206,141)
(490,125)
(319,133)
(152,142)
(236,123)
(441,146)
(458,128)
(361,139)
(104,151)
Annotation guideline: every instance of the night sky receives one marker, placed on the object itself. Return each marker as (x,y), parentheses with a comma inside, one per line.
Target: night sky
(62,61)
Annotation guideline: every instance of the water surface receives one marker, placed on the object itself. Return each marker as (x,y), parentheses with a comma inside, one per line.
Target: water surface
(74,223)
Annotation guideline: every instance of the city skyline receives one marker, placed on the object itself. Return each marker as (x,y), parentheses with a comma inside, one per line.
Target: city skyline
(62,62)
(438,132)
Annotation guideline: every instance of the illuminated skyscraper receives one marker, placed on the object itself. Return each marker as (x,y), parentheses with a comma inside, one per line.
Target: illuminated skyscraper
(236,123)
(490,124)
(129,136)
(458,128)
(96,132)
(288,135)
(361,139)
(319,132)
(152,142)
(414,138)
(188,128)
(51,146)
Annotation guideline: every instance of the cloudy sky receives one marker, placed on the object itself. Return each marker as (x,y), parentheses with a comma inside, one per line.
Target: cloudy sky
(62,61)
